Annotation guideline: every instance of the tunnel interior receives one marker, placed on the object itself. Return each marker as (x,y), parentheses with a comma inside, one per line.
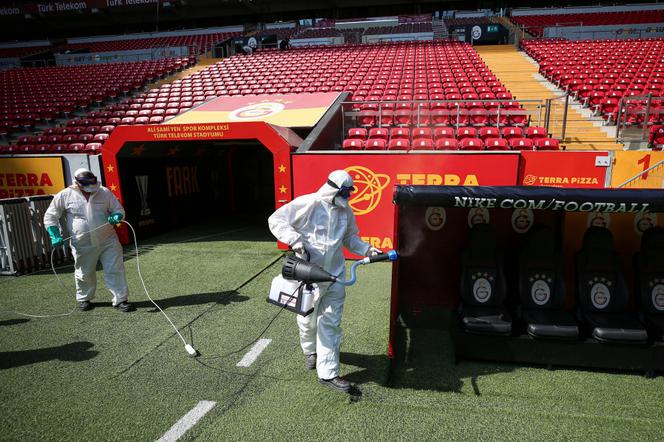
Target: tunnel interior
(172,184)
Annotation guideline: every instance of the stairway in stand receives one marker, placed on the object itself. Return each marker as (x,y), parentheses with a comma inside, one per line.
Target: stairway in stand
(517,72)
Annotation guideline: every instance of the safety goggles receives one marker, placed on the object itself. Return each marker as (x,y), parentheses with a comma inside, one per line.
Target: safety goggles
(344,191)
(85,181)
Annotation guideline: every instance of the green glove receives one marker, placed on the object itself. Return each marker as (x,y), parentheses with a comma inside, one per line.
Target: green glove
(56,239)
(115,218)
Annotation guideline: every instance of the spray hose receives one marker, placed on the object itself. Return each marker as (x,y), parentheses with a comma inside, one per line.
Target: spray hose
(389,256)
(188,347)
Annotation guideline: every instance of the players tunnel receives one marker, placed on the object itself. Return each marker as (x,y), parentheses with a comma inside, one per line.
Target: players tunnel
(571,277)
(171,175)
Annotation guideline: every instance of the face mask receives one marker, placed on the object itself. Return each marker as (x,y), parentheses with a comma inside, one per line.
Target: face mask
(90,189)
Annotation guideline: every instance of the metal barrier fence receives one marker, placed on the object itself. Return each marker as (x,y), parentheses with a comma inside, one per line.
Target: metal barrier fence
(24,243)
(455,112)
(635,116)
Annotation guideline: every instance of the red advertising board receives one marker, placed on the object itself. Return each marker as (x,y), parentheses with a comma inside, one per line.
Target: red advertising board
(564,169)
(375,176)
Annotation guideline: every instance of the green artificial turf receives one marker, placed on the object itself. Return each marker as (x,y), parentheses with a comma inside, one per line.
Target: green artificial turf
(106,375)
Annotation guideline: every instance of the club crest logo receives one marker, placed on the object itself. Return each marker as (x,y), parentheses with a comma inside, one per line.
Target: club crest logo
(482,287)
(600,296)
(522,220)
(657,295)
(257,111)
(478,215)
(435,218)
(540,291)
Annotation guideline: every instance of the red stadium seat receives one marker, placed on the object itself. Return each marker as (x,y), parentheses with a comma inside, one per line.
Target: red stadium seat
(378,132)
(422,144)
(400,132)
(534,132)
(511,132)
(359,133)
(471,144)
(398,144)
(446,144)
(496,144)
(353,144)
(546,144)
(466,132)
(521,143)
(375,144)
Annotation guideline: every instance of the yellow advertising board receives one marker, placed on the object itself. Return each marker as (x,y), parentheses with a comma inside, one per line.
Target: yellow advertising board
(630,163)
(21,177)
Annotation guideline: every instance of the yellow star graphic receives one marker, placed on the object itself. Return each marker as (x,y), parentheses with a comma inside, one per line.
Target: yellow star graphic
(110,168)
(282,169)
(282,189)
(113,187)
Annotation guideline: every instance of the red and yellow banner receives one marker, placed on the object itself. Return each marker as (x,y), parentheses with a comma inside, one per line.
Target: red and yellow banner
(629,164)
(288,110)
(21,177)
(563,169)
(375,176)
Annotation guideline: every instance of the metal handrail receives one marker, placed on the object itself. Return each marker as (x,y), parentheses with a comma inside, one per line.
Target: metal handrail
(638,175)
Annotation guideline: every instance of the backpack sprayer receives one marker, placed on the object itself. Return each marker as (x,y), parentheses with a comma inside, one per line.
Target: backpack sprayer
(296,290)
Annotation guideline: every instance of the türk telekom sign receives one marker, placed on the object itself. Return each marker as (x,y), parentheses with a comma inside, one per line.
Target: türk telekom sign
(75,5)
(375,176)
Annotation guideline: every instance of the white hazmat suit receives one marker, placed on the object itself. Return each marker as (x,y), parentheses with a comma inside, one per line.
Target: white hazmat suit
(82,216)
(322,223)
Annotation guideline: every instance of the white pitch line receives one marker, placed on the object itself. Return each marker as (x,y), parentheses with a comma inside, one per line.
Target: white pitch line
(254,353)
(187,421)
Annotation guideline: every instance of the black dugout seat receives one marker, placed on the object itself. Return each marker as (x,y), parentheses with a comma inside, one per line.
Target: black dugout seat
(542,288)
(649,275)
(483,285)
(602,292)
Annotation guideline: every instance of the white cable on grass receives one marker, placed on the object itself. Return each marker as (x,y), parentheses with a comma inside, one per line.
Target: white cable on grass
(190,349)
(187,346)
(59,315)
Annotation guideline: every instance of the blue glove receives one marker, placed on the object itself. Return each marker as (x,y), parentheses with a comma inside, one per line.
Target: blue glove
(56,239)
(115,218)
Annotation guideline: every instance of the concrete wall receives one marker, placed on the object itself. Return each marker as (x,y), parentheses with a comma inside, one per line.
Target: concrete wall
(421,36)
(586,9)
(317,41)
(644,30)
(182,32)
(121,56)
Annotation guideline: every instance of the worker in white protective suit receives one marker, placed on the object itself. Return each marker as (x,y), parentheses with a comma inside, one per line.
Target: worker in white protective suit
(89,207)
(317,226)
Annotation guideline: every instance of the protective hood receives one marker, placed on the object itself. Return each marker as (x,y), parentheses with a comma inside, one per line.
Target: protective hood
(328,193)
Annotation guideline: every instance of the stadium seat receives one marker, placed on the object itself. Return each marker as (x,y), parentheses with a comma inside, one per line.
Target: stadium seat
(375,144)
(353,144)
(443,132)
(400,132)
(657,137)
(496,144)
(471,144)
(466,132)
(542,288)
(521,143)
(649,276)
(399,144)
(511,132)
(546,144)
(534,132)
(446,144)
(359,133)
(602,293)
(422,144)
(483,286)
(488,132)
(421,132)
(378,132)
